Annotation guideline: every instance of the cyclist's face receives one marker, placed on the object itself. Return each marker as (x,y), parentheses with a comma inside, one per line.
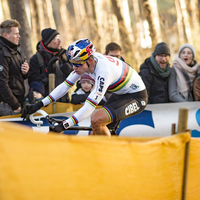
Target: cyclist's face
(82,69)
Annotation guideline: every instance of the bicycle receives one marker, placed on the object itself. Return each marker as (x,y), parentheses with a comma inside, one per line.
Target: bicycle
(53,122)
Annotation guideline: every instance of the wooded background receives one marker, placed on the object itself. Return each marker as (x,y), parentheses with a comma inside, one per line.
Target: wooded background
(137,25)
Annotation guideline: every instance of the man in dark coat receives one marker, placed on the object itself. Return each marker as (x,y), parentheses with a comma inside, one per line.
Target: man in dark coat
(155,73)
(50,58)
(13,69)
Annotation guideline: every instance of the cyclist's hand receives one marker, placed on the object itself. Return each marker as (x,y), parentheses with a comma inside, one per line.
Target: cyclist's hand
(30,109)
(58,129)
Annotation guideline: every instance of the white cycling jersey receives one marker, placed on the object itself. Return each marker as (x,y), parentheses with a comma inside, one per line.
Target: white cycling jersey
(111,74)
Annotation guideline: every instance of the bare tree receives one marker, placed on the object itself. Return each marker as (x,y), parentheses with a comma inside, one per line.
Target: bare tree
(5,10)
(17,7)
(185,18)
(195,18)
(91,14)
(125,40)
(180,27)
(137,30)
(151,13)
(35,21)
(49,12)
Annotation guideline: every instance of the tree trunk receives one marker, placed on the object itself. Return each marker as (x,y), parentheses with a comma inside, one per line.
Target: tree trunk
(90,12)
(41,14)
(179,23)
(17,7)
(67,33)
(35,21)
(124,36)
(195,19)
(137,31)
(102,24)
(151,14)
(5,10)
(50,14)
(81,19)
(187,28)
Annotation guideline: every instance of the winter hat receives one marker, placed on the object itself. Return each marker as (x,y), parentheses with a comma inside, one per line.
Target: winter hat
(161,48)
(187,46)
(38,87)
(48,34)
(86,77)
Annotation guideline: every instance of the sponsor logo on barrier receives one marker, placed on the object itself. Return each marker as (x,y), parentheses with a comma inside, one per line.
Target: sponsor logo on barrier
(131,108)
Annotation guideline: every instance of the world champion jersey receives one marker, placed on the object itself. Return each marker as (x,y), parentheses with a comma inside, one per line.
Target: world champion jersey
(110,74)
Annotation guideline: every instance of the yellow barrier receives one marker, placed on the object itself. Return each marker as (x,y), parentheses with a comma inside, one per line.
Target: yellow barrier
(193,187)
(50,167)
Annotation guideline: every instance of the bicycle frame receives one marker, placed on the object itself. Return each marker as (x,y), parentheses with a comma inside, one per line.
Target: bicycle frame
(55,122)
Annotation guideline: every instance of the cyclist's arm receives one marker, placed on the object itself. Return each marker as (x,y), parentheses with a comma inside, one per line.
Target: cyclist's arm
(91,102)
(61,89)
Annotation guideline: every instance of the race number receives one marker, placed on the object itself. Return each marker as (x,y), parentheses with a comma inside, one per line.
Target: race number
(111,59)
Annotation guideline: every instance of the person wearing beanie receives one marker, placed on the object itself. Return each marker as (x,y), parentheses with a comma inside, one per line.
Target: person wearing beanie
(50,58)
(183,73)
(155,73)
(86,86)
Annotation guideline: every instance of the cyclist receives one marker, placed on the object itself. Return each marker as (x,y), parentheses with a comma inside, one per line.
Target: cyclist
(129,93)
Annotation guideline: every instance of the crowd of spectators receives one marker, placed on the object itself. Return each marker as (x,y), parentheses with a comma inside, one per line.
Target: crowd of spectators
(179,82)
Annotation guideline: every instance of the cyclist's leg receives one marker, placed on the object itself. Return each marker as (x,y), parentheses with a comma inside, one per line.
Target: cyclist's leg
(121,107)
(99,120)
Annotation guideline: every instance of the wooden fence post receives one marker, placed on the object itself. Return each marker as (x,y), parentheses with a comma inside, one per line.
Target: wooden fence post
(51,88)
(182,127)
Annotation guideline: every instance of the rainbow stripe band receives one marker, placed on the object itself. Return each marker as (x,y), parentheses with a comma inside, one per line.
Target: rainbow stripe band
(110,116)
(74,119)
(51,99)
(68,83)
(91,102)
(123,80)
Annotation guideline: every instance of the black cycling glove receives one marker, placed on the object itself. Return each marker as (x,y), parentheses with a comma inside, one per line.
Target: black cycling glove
(58,129)
(30,109)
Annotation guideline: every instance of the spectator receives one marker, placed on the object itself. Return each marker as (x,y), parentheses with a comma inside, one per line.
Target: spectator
(80,95)
(113,49)
(13,69)
(183,72)
(196,86)
(155,73)
(49,58)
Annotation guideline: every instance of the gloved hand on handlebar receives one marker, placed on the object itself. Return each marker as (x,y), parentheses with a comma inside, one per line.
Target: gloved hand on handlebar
(58,129)
(30,109)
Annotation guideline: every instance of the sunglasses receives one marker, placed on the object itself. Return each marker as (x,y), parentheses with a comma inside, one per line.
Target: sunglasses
(78,64)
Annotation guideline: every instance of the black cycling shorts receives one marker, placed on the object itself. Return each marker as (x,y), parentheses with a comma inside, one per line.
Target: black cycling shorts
(120,107)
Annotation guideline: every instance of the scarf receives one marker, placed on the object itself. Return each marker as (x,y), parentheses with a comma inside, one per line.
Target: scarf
(163,72)
(182,84)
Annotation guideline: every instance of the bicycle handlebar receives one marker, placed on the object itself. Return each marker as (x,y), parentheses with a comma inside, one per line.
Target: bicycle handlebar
(54,121)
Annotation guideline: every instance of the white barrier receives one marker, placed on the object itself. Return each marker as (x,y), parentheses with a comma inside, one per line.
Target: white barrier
(155,120)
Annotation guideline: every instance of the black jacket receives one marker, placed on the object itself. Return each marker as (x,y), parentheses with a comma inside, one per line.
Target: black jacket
(157,86)
(57,64)
(12,88)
